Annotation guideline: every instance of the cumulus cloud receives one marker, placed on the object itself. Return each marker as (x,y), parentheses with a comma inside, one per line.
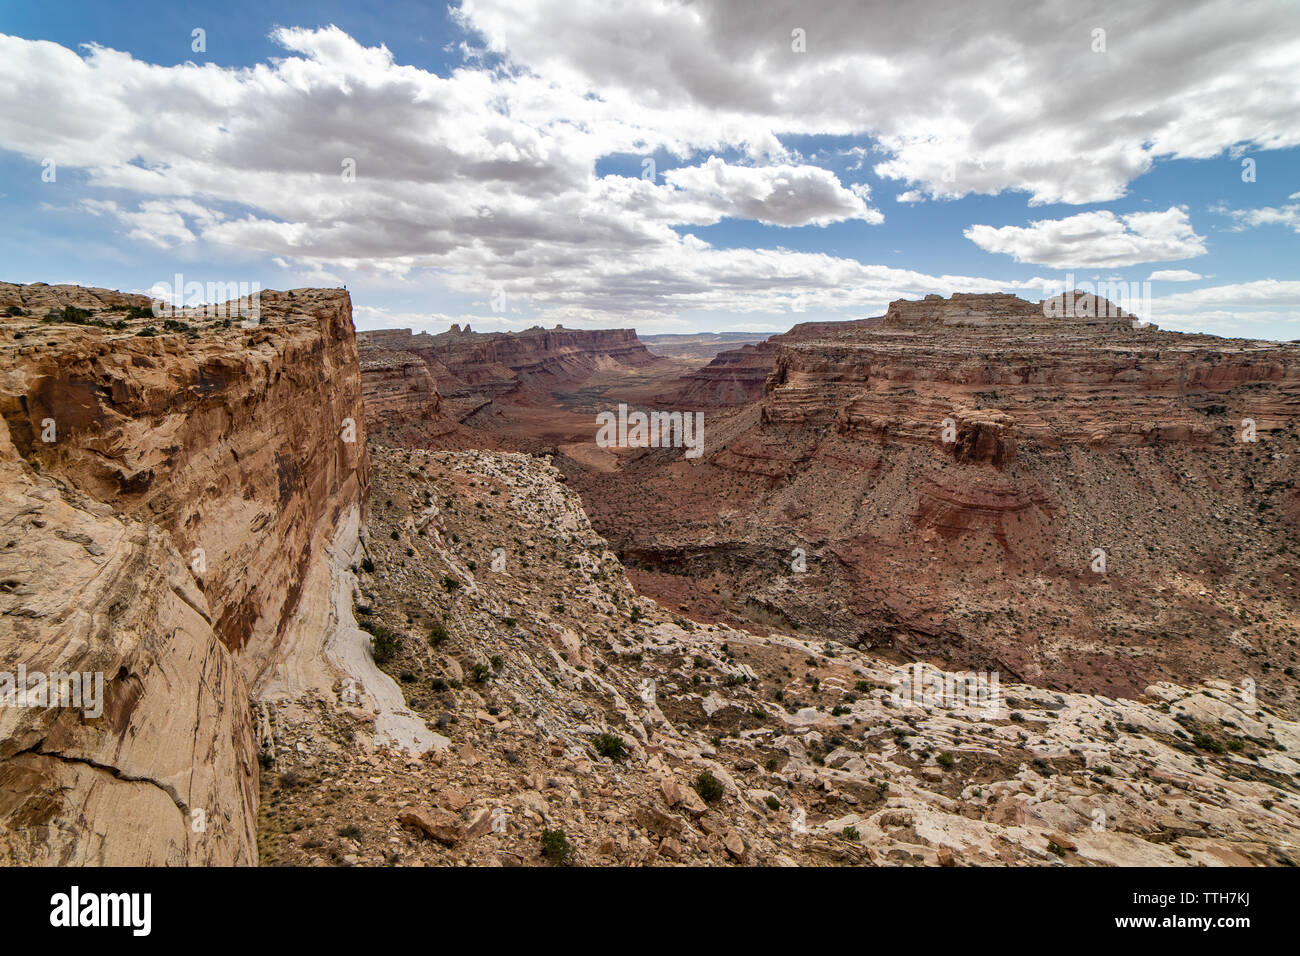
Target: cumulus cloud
(776,195)
(1095,239)
(487,177)
(1174,275)
(962,97)
(1268,305)
(338,158)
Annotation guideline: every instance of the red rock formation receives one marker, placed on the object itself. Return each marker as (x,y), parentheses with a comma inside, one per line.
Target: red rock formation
(177,462)
(484,366)
(737,376)
(950,473)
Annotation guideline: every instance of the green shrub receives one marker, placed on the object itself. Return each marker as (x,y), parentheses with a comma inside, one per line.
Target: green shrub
(438,634)
(611,746)
(709,787)
(384,642)
(945,760)
(772,802)
(851,833)
(555,846)
(1206,742)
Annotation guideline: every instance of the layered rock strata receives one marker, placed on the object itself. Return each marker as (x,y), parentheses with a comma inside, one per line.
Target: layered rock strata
(471,365)
(975,482)
(179,492)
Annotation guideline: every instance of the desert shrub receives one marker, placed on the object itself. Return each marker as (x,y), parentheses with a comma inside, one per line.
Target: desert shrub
(1206,742)
(709,787)
(383,641)
(611,746)
(555,846)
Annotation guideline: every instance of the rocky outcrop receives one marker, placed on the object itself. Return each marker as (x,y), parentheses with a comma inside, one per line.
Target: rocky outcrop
(186,481)
(738,376)
(152,760)
(479,366)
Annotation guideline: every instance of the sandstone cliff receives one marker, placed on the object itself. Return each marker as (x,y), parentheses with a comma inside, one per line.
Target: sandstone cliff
(738,376)
(183,492)
(478,367)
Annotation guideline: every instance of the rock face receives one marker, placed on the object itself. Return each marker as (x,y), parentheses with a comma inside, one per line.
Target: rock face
(91,591)
(184,488)
(475,366)
(978,483)
(402,402)
(738,376)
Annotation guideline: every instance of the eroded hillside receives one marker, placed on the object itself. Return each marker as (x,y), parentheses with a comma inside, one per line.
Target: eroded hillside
(193,510)
(1084,504)
(567,703)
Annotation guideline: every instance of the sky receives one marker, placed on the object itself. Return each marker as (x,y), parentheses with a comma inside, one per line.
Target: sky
(670,166)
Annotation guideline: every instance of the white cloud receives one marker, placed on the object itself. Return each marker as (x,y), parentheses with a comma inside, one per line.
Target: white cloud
(1174,275)
(775,195)
(487,177)
(962,97)
(1288,216)
(1260,294)
(1265,308)
(1095,239)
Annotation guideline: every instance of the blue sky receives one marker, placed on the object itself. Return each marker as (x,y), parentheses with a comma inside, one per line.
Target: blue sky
(501,153)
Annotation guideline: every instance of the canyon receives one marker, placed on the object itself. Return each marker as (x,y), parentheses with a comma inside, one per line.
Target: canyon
(378,598)
(1082,503)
